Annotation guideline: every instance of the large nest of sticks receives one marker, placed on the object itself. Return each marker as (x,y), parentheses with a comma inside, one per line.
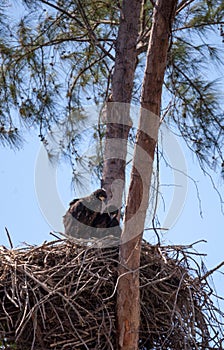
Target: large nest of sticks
(62,295)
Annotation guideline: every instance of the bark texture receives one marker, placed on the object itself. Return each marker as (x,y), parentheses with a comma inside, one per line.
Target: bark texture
(118,120)
(128,305)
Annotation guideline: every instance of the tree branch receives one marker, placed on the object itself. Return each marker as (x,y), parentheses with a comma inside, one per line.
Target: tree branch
(183,4)
(210,272)
(91,64)
(199,93)
(9,238)
(64,12)
(85,19)
(92,35)
(199,25)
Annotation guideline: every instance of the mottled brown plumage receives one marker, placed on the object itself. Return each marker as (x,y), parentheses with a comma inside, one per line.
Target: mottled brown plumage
(81,214)
(107,223)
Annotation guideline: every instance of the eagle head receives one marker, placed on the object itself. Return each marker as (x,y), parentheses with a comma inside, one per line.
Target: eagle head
(100,194)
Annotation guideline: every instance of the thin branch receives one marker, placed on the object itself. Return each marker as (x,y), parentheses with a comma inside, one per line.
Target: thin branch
(86,26)
(157,228)
(210,272)
(199,25)
(72,287)
(92,35)
(9,238)
(81,72)
(199,93)
(183,4)
(64,12)
(189,177)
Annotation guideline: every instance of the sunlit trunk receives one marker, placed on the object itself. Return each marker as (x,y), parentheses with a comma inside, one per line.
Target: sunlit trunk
(128,305)
(118,119)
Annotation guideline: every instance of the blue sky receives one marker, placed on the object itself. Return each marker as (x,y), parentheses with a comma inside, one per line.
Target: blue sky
(20,208)
(22,213)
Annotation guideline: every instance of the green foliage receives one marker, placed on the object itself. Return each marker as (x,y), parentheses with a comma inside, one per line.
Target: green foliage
(60,56)
(55,59)
(10,137)
(194,59)
(195,106)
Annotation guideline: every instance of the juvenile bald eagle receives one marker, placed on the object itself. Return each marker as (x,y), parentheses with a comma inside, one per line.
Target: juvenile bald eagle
(81,214)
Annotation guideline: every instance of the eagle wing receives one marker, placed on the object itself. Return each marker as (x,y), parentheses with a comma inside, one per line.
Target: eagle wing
(84,211)
(78,210)
(102,220)
(106,225)
(80,216)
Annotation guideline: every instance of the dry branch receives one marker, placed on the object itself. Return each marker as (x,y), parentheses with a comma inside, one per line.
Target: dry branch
(62,294)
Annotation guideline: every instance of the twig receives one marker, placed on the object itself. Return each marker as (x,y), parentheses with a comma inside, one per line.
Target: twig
(9,238)
(210,272)
(54,235)
(66,292)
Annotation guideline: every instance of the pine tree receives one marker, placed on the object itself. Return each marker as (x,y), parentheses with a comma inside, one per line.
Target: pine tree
(79,51)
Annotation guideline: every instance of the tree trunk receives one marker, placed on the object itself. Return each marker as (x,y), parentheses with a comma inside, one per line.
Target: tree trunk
(118,119)
(128,303)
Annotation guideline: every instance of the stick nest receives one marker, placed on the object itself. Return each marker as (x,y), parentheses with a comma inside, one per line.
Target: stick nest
(62,295)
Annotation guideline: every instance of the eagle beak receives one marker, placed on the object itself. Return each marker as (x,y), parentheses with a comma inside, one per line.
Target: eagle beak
(102,198)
